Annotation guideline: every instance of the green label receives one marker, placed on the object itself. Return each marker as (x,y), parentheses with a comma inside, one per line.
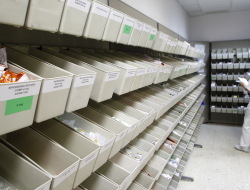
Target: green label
(18,105)
(214,77)
(127,29)
(180,71)
(186,69)
(235,110)
(152,37)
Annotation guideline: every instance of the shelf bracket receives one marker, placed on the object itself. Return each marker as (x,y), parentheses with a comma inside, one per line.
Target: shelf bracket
(198,146)
(185,178)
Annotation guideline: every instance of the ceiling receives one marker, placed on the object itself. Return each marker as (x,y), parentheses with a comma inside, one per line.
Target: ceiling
(201,7)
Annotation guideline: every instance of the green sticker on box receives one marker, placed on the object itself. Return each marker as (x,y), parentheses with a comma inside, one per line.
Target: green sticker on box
(18,105)
(180,71)
(186,69)
(127,29)
(152,37)
(214,77)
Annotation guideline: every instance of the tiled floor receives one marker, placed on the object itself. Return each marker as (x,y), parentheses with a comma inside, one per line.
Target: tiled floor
(218,166)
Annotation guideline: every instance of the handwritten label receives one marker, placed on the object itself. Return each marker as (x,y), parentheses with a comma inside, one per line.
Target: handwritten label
(100,10)
(106,146)
(130,73)
(82,5)
(146,28)
(140,72)
(116,16)
(112,76)
(84,80)
(139,25)
(119,137)
(15,90)
(56,84)
(88,159)
(65,175)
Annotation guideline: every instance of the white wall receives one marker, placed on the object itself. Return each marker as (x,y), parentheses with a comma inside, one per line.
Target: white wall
(166,12)
(220,27)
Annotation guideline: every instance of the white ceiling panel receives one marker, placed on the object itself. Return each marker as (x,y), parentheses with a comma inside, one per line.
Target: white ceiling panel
(195,13)
(214,5)
(188,2)
(192,8)
(240,5)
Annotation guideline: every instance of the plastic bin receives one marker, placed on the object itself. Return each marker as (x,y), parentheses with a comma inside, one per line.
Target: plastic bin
(51,158)
(130,122)
(143,145)
(13,12)
(136,33)
(82,81)
(151,38)
(55,85)
(74,17)
(96,181)
(128,164)
(109,124)
(115,174)
(144,35)
(149,138)
(145,181)
(81,147)
(159,38)
(127,72)
(151,171)
(88,126)
(19,173)
(131,112)
(159,161)
(44,15)
(14,118)
(113,25)
(138,106)
(106,77)
(156,135)
(126,29)
(97,20)
(135,186)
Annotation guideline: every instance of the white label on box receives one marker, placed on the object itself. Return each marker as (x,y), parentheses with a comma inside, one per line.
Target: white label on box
(116,16)
(56,84)
(154,70)
(169,42)
(88,159)
(139,25)
(140,72)
(166,37)
(106,146)
(82,5)
(65,175)
(162,36)
(153,31)
(129,21)
(112,76)
(162,69)
(130,73)
(100,10)
(119,137)
(84,80)
(148,70)
(168,70)
(14,90)
(146,28)
(130,129)
(45,187)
